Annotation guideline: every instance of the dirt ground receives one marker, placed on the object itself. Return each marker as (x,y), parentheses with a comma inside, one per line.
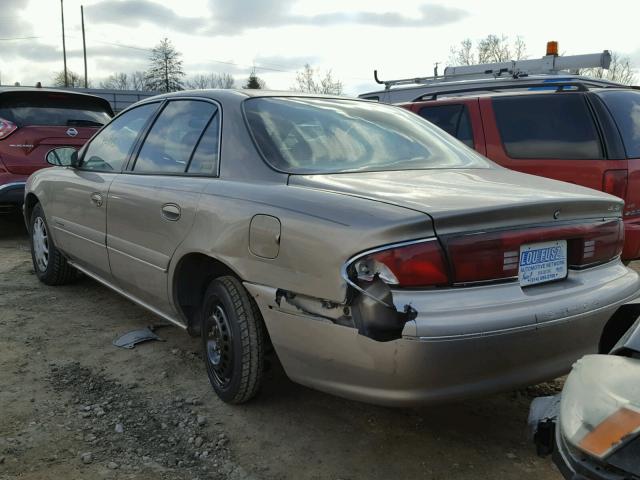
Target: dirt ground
(73,406)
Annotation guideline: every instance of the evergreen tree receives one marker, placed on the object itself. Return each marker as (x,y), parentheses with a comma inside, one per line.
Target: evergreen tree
(165,71)
(254,82)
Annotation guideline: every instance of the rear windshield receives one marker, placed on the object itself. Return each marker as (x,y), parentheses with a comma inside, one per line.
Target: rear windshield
(318,135)
(625,108)
(30,108)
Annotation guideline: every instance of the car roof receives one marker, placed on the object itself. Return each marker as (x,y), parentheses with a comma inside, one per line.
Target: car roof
(229,93)
(45,90)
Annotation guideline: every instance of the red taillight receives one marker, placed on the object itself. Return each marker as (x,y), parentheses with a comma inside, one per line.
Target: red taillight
(615,183)
(6,128)
(495,255)
(415,265)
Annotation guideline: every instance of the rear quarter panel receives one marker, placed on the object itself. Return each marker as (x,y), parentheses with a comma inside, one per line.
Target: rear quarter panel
(319,232)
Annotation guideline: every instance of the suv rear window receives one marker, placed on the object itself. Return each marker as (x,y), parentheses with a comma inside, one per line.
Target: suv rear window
(53,109)
(323,135)
(556,126)
(625,108)
(453,119)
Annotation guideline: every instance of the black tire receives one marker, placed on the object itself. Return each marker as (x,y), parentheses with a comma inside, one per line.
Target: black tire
(232,340)
(56,270)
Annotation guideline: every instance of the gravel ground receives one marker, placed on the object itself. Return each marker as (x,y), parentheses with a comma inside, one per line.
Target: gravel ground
(73,406)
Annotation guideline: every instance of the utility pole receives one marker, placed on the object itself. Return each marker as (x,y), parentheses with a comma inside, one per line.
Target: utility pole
(84,48)
(64,47)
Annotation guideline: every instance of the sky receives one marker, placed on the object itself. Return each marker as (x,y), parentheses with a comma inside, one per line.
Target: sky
(278,37)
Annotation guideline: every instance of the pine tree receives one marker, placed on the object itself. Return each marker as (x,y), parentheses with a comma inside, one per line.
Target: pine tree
(254,81)
(165,71)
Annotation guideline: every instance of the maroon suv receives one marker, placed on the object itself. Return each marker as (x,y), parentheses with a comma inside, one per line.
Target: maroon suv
(35,120)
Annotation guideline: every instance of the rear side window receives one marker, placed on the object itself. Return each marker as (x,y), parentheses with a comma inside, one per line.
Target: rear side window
(53,109)
(453,119)
(174,136)
(625,108)
(557,126)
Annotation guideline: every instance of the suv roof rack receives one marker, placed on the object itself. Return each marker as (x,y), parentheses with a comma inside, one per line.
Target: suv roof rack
(560,86)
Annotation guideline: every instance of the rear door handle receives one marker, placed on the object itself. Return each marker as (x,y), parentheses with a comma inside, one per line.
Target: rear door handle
(96,198)
(171,212)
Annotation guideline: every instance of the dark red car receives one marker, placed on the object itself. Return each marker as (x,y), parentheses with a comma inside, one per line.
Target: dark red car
(35,120)
(586,136)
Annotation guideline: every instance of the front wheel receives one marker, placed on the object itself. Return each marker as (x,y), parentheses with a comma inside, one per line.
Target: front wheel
(50,265)
(232,340)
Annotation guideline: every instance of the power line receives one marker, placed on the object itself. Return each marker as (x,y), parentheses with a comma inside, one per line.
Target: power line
(9,39)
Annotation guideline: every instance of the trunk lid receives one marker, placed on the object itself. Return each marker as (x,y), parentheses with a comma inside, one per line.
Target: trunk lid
(467,200)
(23,152)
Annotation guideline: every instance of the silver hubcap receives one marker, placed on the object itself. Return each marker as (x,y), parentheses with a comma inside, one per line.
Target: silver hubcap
(40,244)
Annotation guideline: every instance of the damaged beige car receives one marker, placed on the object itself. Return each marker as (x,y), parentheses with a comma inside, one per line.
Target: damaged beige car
(382,259)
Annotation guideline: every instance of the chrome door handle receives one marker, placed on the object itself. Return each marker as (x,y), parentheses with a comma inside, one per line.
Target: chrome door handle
(171,212)
(96,198)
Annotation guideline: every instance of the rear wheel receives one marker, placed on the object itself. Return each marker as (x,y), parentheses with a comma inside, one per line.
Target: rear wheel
(232,340)
(50,265)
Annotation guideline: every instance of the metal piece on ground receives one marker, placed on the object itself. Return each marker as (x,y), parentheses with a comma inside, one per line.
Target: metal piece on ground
(131,339)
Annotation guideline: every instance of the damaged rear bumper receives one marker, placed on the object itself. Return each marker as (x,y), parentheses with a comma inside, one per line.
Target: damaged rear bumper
(461,342)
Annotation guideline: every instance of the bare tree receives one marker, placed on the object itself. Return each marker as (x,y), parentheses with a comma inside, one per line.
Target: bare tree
(73,80)
(212,80)
(138,81)
(311,80)
(491,49)
(116,81)
(165,71)
(620,70)
(125,81)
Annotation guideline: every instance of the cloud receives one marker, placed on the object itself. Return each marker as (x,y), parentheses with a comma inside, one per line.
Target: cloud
(238,15)
(136,12)
(283,63)
(12,24)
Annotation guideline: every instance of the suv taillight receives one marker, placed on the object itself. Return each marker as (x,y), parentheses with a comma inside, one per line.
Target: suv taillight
(420,264)
(495,255)
(615,183)
(6,128)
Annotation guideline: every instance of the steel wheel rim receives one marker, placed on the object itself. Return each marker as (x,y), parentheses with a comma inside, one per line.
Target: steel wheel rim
(40,239)
(219,346)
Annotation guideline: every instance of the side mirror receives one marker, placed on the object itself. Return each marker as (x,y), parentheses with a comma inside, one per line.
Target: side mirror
(63,157)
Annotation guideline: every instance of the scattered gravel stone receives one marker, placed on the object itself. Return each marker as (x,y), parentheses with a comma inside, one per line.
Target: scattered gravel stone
(86,458)
(119,428)
(198,441)
(112,465)
(202,420)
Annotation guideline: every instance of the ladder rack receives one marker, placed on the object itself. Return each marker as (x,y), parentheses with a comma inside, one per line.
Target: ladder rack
(547,65)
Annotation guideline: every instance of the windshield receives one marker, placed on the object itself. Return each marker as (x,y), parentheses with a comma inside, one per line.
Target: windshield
(319,135)
(53,109)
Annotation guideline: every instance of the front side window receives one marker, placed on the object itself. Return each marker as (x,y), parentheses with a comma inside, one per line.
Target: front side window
(110,149)
(174,136)
(556,126)
(453,119)
(320,135)
(625,108)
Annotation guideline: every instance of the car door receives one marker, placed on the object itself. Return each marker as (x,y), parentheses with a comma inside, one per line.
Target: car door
(153,203)
(79,206)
